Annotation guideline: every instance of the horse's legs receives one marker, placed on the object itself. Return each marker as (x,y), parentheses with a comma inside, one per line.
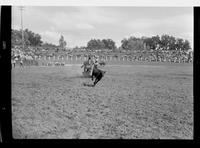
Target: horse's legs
(97,80)
(92,77)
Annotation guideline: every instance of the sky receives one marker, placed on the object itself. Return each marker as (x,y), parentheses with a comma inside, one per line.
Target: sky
(79,24)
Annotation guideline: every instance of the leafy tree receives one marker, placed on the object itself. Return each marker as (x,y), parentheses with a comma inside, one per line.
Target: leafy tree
(30,38)
(49,45)
(124,44)
(99,44)
(109,44)
(27,40)
(172,43)
(92,44)
(165,42)
(62,42)
(16,37)
(179,44)
(186,45)
(135,45)
(156,42)
(149,43)
(182,45)
(95,44)
(132,44)
(168,42)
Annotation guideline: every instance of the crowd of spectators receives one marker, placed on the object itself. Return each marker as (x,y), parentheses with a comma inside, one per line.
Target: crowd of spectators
(30,55)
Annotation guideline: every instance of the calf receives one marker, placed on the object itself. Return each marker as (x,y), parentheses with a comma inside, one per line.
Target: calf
(97,74)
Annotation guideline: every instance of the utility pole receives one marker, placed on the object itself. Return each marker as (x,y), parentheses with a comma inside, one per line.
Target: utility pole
(21,9)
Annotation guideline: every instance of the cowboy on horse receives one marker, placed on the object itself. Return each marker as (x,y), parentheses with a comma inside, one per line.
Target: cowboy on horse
(91,69)
(89,66)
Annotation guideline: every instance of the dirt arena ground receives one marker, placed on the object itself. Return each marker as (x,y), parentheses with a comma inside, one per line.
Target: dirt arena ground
(130,102)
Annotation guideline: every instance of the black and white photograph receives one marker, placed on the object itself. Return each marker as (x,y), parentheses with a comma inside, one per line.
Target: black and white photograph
(102,72)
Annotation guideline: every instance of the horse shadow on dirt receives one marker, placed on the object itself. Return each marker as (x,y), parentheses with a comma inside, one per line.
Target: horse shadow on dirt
(88,85)
(82,77)
(78,77)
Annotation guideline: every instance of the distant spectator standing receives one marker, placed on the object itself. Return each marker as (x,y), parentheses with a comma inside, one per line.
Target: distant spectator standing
(13,63)
(189,57)
(21,62)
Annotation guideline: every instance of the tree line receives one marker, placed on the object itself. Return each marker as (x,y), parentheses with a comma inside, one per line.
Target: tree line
(163,42)
(30,38)
(33,39)
(95,44)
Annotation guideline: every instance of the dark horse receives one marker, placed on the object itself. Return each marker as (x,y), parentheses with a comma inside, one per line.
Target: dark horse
(97,74)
